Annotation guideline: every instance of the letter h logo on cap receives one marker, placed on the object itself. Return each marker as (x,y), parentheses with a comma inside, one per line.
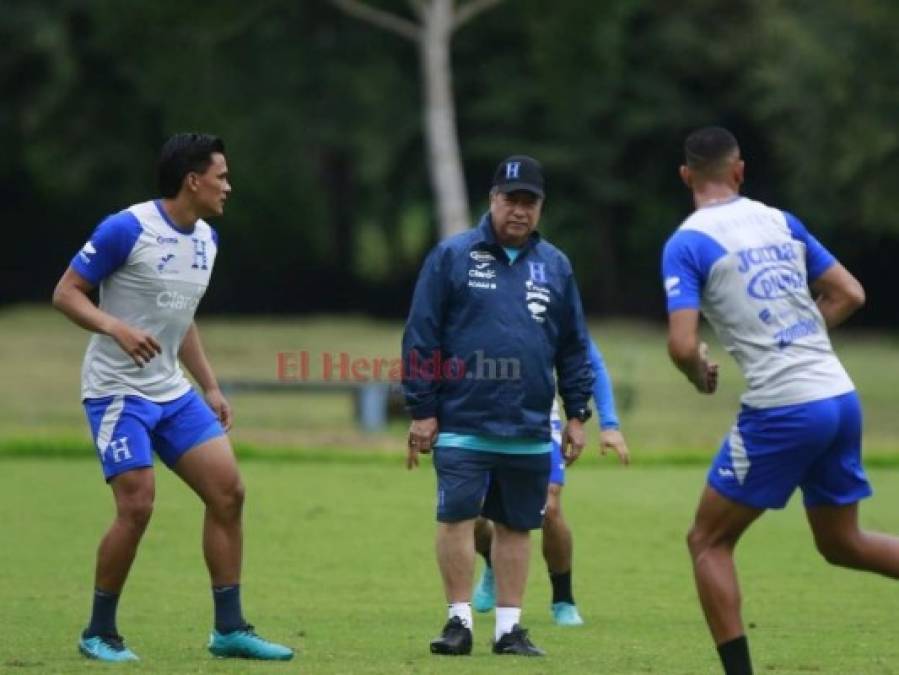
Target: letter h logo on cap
(519,172)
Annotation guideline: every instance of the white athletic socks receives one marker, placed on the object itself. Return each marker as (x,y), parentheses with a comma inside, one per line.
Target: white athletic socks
(463,611)
(506,617)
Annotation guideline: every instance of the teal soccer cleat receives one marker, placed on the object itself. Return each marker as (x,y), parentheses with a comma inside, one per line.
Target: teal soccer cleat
(109,648)
(484,598)
(245,644)
(566,614)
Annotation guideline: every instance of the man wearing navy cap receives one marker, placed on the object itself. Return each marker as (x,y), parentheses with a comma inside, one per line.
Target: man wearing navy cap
(499,308)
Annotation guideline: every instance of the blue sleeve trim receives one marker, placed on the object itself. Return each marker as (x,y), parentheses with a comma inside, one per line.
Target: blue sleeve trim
(575,373)
(108,248)
(686,262)
(817,258)
(602,390)
(215,236)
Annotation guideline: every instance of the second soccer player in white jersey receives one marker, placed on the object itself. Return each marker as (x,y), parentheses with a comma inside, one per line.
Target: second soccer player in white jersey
(771,291)
(152,263)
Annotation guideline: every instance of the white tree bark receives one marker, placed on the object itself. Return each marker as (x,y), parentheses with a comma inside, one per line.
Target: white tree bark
(444,157)
(438,19)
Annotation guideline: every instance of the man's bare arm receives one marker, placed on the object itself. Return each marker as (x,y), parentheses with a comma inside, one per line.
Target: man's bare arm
(689,353)
(71,298)
(838,294)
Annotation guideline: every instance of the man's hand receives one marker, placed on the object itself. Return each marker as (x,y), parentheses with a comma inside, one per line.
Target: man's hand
(422,434)
(220,407)
(140,345)
(573,440)
(614,439)
(706,377)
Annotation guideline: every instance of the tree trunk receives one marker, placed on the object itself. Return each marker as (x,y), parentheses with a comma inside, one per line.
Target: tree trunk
(447,176)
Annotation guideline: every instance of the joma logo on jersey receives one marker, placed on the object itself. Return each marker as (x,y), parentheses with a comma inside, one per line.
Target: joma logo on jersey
(176,300)
(775,253)
(777,281)
(164,260)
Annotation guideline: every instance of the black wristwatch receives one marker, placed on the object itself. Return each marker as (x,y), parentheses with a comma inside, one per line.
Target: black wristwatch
(583,414)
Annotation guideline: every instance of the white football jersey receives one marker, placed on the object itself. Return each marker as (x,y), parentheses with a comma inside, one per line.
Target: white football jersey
(152,276)
(747,266)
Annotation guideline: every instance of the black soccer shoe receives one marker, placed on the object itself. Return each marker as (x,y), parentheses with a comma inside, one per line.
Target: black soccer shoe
(455,640)
(516,643)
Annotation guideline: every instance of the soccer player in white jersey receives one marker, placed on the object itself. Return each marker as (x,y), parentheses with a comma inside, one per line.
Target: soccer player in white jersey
(152,263)
(771,291)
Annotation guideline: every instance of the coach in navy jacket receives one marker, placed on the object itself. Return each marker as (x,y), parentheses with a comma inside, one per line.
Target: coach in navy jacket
(496,310)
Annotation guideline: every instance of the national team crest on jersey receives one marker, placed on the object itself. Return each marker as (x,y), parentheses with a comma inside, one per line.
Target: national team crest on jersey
(200,260)
(538,272)
(117,450)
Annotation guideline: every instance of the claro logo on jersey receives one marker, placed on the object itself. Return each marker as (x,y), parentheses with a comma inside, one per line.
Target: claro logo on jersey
(176,300)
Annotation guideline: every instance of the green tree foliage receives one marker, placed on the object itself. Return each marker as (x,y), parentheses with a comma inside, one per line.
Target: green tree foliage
(332,208)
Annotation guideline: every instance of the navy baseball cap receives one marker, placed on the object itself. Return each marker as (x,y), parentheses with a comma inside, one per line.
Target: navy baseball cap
(519,172)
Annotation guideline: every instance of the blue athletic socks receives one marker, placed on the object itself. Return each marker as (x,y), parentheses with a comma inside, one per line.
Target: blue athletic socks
(228,615)
(103,614)
(735,656)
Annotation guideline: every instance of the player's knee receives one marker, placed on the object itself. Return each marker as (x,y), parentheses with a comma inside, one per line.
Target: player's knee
(695,541)
(225,502)
(483,534)
(231,499)
(135,510)
(553,515)
(839,551)
(700,541)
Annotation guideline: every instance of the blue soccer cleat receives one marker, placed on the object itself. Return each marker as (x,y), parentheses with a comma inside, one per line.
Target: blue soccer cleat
(109,648)
(566,614)
(245,644)
(484,598)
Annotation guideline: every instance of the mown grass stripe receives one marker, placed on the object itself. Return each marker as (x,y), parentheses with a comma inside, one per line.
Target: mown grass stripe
(75,449)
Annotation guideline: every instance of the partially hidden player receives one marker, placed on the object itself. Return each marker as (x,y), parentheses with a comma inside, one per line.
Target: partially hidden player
(558,543)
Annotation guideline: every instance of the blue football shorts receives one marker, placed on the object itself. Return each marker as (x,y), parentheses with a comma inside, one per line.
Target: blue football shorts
(815,446)
(506,488)
(127,429)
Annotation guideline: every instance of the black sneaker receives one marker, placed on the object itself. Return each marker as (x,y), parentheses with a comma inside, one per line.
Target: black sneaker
(455,640)
(516,643)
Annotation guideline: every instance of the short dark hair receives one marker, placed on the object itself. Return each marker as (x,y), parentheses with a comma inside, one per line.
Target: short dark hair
(182,154)
(707,149)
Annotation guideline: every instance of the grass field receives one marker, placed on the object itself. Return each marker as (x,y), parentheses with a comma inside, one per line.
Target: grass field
(339,559)
(352,583)
(41,352)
